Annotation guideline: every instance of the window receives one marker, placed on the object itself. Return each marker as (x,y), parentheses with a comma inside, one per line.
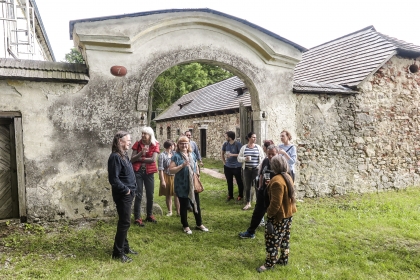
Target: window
(161,131)
(168,133)
(178,131)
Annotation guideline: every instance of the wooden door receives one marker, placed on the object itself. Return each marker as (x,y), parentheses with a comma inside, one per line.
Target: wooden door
(6,204)
(203,142)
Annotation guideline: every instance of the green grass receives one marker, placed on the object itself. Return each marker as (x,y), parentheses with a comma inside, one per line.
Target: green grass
(370,236)
(213,164)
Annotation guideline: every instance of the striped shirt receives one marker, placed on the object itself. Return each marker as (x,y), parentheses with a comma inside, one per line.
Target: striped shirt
(254,157)
(163,163)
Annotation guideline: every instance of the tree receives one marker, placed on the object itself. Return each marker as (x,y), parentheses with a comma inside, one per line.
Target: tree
(74,56)
(182,79)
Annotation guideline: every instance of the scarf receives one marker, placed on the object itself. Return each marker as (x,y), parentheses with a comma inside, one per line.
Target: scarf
(191,194)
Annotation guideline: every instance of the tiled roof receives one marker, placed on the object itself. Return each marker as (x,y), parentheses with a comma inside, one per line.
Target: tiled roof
(35,70)
(348,60)
(203,10)
(214,98)
(308,87)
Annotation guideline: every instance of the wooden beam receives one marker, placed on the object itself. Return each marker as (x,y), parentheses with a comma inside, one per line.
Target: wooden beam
(20,171)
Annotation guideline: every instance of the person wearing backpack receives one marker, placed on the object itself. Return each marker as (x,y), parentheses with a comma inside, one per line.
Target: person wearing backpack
(231,166)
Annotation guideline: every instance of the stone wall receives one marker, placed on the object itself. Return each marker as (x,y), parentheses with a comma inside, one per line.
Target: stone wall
(216,127)
(362,143)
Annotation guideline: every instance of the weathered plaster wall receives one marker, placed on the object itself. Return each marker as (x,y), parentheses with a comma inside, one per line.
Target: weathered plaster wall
(216,129)
(67,134)
(363,143)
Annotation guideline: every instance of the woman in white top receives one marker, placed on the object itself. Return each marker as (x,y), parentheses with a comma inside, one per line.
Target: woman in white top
(251,156)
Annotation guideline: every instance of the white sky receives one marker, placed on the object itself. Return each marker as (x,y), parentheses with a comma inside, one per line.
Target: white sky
(305,22)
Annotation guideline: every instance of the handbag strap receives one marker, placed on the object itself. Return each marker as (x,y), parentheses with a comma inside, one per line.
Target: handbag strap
(289,148)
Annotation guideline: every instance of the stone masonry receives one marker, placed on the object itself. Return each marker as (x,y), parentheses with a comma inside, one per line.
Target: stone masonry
(363,143)
(216,127)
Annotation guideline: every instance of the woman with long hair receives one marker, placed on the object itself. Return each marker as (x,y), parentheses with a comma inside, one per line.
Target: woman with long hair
(281,202)
(123,183)
(166,178)
(183,165)
(145,153)
(251,155)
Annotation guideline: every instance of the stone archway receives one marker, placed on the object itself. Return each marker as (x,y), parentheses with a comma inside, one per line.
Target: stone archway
(149,43)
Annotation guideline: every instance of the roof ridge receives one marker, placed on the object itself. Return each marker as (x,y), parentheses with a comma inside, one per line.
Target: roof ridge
(204,10)
(368,28)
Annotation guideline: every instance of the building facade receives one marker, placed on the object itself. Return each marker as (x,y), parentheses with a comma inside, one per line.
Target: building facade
(351,105)
(22,32)
(208,113)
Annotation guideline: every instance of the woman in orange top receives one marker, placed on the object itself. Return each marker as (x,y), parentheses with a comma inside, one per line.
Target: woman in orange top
(281,202)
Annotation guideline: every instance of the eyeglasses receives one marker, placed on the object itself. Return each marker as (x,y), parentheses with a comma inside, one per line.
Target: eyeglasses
(184,143)
(188,135)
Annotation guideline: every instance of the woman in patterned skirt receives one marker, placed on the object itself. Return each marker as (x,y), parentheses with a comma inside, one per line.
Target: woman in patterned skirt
(281,202)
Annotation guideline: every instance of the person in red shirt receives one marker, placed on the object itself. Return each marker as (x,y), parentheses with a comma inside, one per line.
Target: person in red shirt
(143,158)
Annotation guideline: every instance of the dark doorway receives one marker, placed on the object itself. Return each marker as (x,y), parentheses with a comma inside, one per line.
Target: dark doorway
(203,142)
(9,202)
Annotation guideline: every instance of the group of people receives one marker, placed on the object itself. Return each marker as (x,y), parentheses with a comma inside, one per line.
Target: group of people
(270,168)
(176,166)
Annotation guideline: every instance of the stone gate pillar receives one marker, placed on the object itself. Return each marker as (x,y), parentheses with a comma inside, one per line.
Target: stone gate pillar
(260,125)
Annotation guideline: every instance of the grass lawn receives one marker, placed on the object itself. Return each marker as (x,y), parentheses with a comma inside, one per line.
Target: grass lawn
(371,236)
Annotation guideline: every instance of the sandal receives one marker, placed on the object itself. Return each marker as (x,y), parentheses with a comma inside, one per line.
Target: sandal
(263,268)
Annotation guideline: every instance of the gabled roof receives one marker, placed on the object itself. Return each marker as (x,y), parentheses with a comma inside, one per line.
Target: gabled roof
(214,98)
(203,10)
(36,70)
(348,60)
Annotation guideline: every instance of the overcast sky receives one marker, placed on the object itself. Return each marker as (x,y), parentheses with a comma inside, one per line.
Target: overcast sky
(305,22)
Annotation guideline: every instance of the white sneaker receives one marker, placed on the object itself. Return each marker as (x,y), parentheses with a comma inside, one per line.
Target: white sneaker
(169,214)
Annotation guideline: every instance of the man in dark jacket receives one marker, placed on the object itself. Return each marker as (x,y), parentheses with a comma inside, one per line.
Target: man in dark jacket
(123,181)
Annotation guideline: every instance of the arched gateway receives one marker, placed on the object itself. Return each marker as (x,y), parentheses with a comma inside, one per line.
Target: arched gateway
(149,43)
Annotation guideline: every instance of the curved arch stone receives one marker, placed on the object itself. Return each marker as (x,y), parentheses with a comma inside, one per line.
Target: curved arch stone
(149,43)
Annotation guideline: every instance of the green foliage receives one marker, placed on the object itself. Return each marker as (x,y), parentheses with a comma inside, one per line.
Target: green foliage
(182,79)
(74,56)
(370,236)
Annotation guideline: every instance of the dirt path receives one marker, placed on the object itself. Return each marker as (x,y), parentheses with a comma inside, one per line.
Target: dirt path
(213,173)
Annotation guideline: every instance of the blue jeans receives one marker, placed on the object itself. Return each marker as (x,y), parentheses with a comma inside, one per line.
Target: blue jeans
(149,185)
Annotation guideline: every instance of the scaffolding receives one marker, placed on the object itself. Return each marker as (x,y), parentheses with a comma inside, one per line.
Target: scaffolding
(18,28)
